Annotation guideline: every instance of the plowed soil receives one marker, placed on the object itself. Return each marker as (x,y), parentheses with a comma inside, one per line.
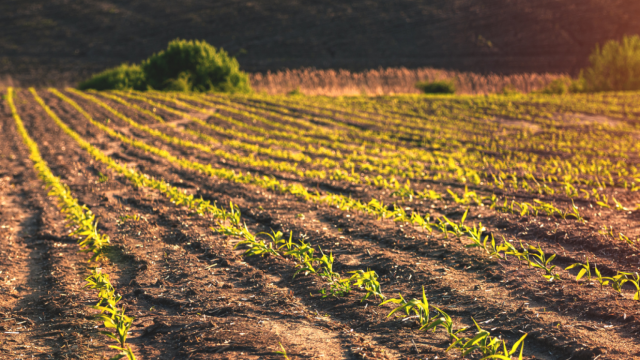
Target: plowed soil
(196,297)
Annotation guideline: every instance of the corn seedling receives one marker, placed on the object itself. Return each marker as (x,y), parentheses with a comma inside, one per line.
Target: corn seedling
(367,280)
(445,321)
(85,229)
(283,352)
(490,347)
(102,178)
(619,280)
(419,307)
(586,269)
(117,320)
(255,246)
(603,281)
(475,234)
(635,280)
(459,228)
(540,261)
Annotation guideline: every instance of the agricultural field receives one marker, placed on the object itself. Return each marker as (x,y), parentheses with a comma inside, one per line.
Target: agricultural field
(163,225)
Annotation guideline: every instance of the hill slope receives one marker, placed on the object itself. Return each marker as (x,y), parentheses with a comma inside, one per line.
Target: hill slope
(64,40)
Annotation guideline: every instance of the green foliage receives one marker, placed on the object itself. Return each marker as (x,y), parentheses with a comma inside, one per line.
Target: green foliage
(614,66)
(194,66)
(295,92)
(558,86)
(283,352)
(564,85)
(184,66)
(509,90)
(437,87)
(123,77)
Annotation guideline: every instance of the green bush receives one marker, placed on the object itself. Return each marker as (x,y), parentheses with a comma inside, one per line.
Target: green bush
(564,85)
(295,92)
(437,87)
(615,66)
(183,66)
(558,86)
(123,77)
(509,90)
(197,65)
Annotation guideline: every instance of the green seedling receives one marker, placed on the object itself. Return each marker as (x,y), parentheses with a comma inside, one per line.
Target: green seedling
(445,321)
(404,191)
(604,202)
(419,307)
(367,280)
(429,195)
(540,261)
(475,234)
(575,213)
(124,218)
(301,252)
(619,280)
(283,352)
(508,248)
(603,281)
(117,320)
(626,239)
(102,178)
(256,247)
(424,223)
(586,269)
(459,228)
(635,280)
(618,206)
(490,347)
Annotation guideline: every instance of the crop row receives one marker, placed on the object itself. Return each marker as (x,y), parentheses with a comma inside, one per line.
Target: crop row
(402,190)
(229,223)
(377,208)
(85,229)
(463,167)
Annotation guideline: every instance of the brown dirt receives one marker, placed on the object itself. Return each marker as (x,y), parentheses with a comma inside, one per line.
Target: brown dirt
(195,297)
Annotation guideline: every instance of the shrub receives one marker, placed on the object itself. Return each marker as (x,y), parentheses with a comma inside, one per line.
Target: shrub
(196,65)
(436,87)
(564,85)
(558,86)
(183,66)
(123,77)
(509,90)
(295,92)
(615,66)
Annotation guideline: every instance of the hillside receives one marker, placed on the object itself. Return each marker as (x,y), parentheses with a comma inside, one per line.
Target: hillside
(62,41)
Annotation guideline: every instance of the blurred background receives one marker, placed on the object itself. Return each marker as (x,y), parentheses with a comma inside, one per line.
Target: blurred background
(60,42)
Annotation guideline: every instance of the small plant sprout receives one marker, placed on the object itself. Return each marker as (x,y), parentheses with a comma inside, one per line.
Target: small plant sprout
(619,280)
(540,261)
(490,347)
(459,228)
(256,247)
(626,239)
(117,320)
(419,307)
(575,213)
(636,282)
(603,281)
(475,234)
(367,280)
(445,321)
(586,269)
(102,178)
(337,285)
(283,352)
(618,206)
